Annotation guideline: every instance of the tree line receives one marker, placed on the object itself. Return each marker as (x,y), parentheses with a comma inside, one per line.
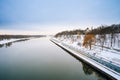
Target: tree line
(104,29)
(103,34)
(2,37)
(114,28)
(72,32)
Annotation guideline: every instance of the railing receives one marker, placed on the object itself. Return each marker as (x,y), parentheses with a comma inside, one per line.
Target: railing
(112,65)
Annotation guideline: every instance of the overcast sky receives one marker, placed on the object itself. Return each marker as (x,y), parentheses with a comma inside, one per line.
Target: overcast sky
(51,16)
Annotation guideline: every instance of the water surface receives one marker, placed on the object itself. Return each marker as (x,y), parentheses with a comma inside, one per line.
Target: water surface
(40,59)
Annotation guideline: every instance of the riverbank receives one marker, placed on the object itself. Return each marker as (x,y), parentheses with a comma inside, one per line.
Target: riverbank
(110,69)
(12,40)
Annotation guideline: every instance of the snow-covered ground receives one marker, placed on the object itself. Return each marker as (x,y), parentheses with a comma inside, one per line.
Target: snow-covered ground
(83,53)
(109,56)
(12,40)
(107,53)
(8,40)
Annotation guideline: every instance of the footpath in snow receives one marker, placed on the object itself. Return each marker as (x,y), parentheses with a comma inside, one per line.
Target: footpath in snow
(107,60)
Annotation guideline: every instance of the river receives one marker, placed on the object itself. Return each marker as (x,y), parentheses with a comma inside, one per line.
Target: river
(40,59)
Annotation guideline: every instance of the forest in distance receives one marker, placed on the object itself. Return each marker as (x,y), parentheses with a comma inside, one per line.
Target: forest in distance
(104,29)
(3,37)
(102,35)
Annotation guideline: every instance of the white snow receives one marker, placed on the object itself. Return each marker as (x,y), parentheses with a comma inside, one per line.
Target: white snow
(12,40)
(106,54)
(7,41)
(92,62)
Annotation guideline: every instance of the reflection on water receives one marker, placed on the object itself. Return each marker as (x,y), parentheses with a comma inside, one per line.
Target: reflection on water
(10,43)
(40,59)
(87,69)
(1,45)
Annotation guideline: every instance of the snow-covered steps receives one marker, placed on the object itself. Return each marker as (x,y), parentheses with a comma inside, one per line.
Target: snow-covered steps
(109,72)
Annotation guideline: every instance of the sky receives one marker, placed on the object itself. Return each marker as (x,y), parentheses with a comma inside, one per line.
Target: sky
(52,16)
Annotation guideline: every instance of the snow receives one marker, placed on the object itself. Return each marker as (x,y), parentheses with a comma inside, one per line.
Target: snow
(12,40)
(7,41)
(107,55)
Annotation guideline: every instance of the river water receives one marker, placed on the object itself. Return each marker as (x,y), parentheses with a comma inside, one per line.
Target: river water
(40,59)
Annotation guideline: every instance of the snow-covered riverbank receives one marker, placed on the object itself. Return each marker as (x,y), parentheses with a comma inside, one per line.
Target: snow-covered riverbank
(8,40)
(13,40)
(106,60)
(110,54)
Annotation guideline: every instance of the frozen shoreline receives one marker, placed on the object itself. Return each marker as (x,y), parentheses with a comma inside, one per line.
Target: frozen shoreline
(89,60)
(12,40)
(8,40)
